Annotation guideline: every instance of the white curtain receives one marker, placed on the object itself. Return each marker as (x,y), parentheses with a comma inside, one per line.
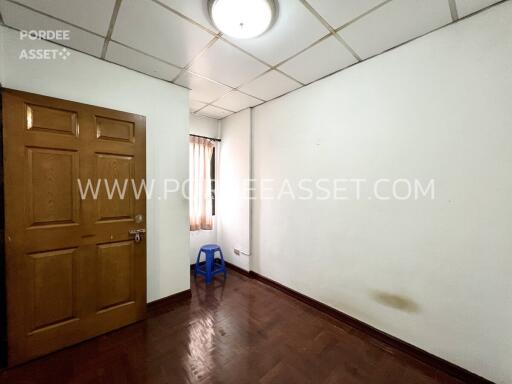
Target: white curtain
(200,190)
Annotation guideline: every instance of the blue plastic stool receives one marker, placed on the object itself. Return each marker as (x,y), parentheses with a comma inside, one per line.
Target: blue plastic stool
(210,269)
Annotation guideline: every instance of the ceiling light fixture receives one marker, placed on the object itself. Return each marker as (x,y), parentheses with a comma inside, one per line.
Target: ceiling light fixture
(243,19)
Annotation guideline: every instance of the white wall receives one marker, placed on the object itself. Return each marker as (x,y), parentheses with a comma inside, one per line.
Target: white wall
(203,126)
(439,107)
(233,192)
(85,79)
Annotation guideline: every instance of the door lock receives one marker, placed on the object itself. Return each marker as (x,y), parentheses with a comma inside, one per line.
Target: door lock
(137,234)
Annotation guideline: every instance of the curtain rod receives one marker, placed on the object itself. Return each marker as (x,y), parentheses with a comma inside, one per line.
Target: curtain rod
(204,137)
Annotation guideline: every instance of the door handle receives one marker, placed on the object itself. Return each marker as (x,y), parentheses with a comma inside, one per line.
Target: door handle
(137,234)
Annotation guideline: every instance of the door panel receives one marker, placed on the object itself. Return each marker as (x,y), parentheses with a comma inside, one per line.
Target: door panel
(51,120)
(51,189)
(115,170)
(113,129)
(73,271)
(53,278)
(114,274)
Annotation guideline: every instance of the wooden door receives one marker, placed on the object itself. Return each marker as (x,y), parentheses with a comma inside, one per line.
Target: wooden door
(73,270)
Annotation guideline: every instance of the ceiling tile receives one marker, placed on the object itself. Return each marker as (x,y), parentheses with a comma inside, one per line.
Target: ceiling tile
(272,84)
(21,18)
(395,23)
(93,15)
(236,101)
(135,60)
(202,89)
(194,105)
(321,60)
(466,7)
(194,9)
(227,64)
(338,13)
(151,28)
(214,112)
(294,30)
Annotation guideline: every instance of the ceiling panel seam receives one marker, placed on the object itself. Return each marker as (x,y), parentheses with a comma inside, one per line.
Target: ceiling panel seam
(113,19)
(185,17)
(364,14)
(324,22)
(200,54)
(237,89)
(146,54)
(55,18)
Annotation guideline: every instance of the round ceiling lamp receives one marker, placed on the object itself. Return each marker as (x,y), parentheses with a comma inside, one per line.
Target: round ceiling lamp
(243,19)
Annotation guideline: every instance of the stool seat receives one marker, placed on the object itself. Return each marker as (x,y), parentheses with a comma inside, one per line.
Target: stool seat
(210,248)
(210,267)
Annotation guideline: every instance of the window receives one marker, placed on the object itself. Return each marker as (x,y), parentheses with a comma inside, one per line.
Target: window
(201,183)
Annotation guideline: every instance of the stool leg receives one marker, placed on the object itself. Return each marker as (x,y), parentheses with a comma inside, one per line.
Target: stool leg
(223,264)
(197,263)
(209,267)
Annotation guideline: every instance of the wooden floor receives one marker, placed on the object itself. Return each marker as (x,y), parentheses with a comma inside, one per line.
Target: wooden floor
(240,331)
